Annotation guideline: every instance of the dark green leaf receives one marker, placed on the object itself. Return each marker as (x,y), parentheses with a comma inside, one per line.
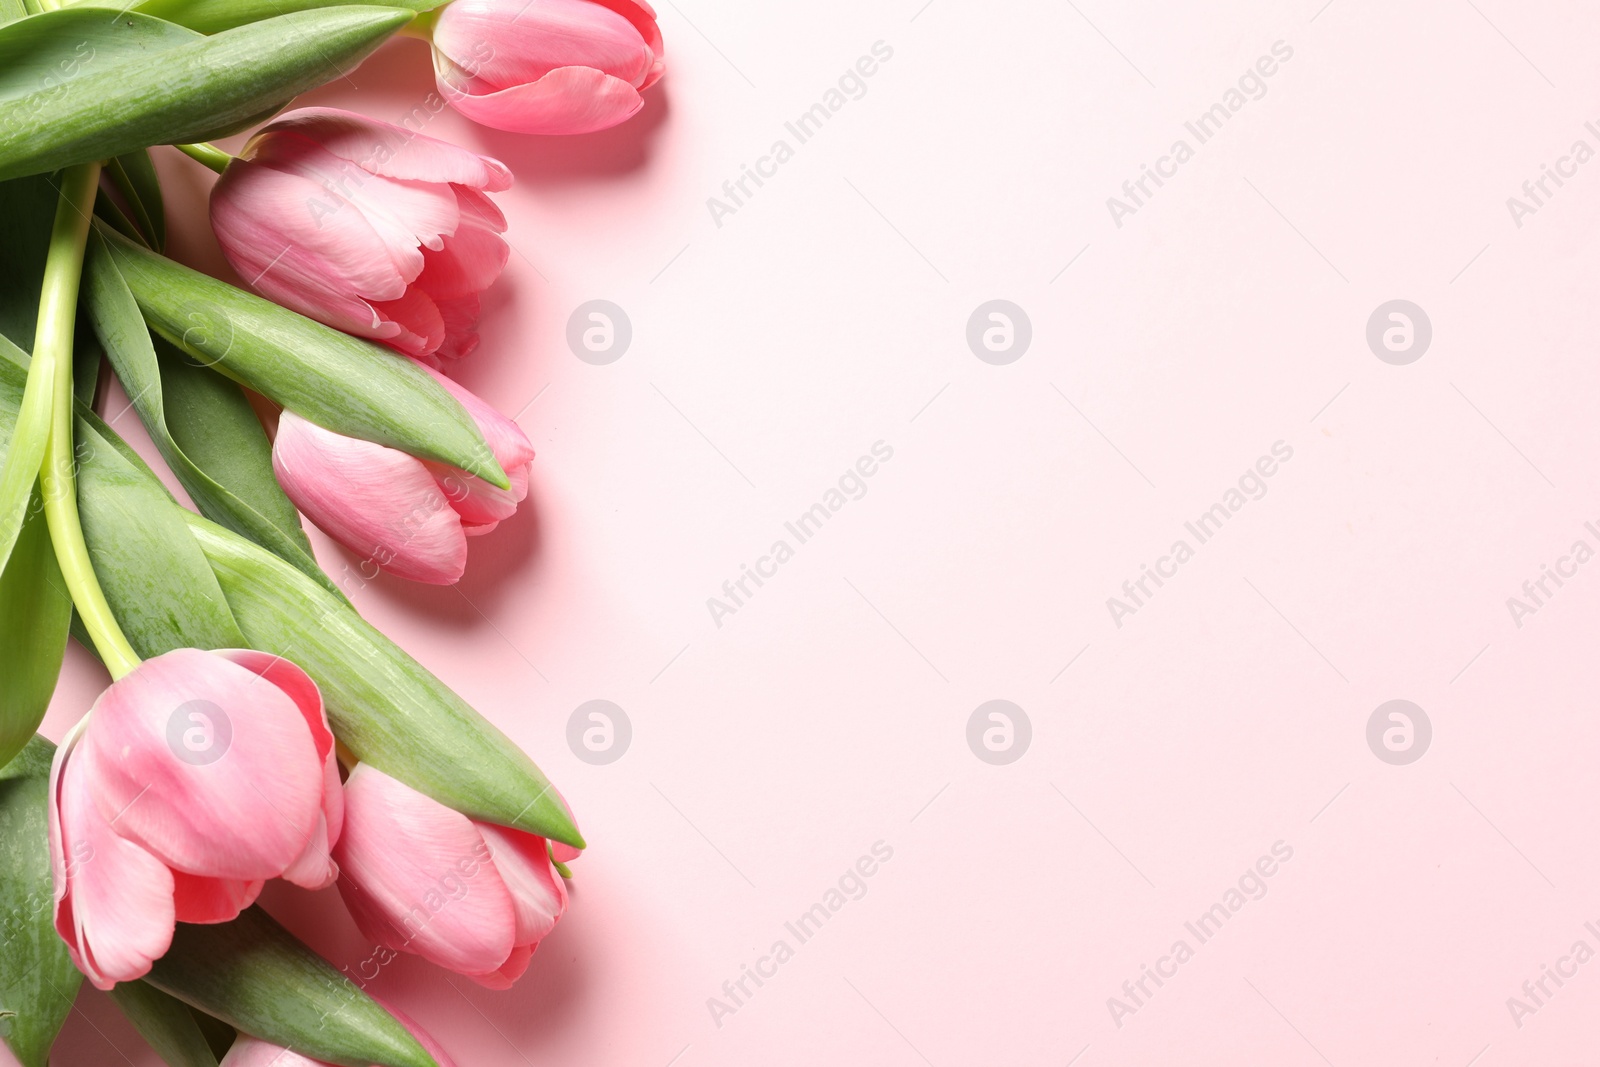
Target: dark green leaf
(348,385)
(254,975)
(166,1023)
(37,978)
(214,444)
(34,612)
(26,208)
(77,86)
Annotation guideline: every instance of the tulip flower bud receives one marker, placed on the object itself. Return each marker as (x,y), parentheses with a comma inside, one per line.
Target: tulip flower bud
(365,226)
(406,516)
(193,779)
(547,66)
(418,877)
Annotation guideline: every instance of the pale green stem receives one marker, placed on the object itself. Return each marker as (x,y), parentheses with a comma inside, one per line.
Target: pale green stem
(208,154)
(52,355)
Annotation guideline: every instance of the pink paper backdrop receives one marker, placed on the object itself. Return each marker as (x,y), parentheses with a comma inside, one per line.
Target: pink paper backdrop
(1225,720)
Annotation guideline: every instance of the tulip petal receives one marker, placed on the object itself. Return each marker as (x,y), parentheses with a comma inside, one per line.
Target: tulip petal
(539,36)
(468,262)
(208,766)
(460,327)
(394,151)
(211,900)
(374,500)
(113,900)
(643,18)
(416,877)
(514,967)
(567,100)
(295,243)
(313,869)
(421,328)
(537,892)
(403,213)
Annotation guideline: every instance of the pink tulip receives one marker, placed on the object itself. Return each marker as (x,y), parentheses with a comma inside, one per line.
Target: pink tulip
(368,227)
(192,780)
(250,1051)
(418,877)
(547,66)
(407,516)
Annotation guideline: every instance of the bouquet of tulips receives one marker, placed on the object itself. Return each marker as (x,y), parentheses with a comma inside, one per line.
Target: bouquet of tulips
(255,726)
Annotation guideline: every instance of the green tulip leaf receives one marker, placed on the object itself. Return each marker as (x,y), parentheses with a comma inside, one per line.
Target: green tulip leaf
(254,975)
(213,16)
(166,1023)
(37,979)
(213,443)
(76,85)
(343,383)
(34,612)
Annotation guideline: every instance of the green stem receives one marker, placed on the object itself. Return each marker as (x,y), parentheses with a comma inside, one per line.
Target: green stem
(206,153)
(52,347)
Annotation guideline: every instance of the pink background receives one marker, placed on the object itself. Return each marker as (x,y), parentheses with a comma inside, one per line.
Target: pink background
(1228,714)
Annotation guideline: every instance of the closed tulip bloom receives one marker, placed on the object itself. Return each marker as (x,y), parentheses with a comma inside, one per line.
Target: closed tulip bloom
(192,780)
(418,877)
(547,66)
(365,226)
(407,516)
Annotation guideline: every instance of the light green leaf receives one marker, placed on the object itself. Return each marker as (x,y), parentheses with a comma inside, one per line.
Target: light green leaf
(343,383)
(166,1023)
(254,975)
(77,86)
(37,978)
(214,444)
(212,16)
